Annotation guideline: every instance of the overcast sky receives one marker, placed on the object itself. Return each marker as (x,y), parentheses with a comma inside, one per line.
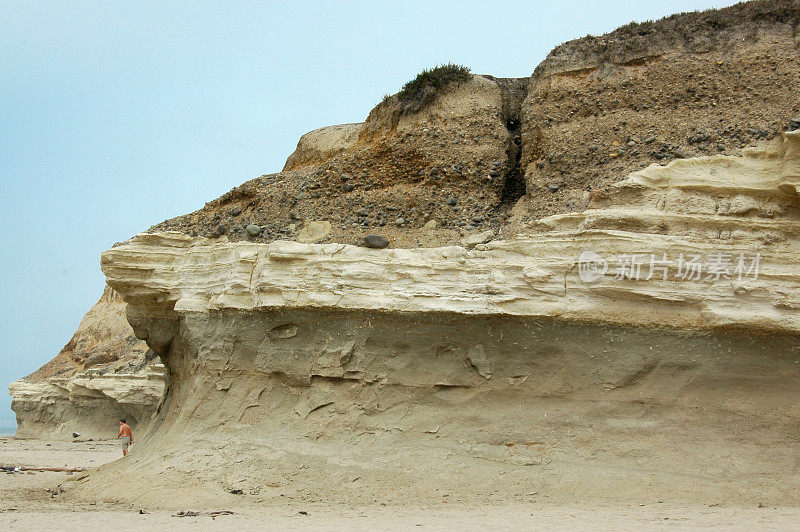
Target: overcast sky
(118,115)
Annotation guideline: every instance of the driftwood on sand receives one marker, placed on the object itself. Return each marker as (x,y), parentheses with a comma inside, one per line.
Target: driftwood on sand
(35,468)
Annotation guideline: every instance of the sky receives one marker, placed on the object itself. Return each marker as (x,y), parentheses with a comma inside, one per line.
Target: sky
(116,115)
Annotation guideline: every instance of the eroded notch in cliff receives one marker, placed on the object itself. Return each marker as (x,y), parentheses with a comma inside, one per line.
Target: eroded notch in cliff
(514,91)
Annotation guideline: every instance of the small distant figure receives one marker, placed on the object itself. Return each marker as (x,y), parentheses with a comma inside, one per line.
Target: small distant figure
(126,435)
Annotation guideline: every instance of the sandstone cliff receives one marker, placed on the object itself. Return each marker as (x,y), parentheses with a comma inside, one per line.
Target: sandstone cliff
(103,374)
(305,366)
(593,291)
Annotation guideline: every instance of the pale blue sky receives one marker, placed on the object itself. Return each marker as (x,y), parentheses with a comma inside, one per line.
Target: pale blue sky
(118,115)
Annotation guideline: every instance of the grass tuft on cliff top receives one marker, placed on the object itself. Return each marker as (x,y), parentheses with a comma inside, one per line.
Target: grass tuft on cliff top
(421,90)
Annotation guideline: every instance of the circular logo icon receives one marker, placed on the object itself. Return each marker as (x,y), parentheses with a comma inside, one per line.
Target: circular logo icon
(591,266)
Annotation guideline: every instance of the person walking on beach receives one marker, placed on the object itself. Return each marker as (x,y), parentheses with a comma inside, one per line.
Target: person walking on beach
(126,435)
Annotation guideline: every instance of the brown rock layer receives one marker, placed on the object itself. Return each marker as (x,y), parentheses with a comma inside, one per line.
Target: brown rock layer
(689,85)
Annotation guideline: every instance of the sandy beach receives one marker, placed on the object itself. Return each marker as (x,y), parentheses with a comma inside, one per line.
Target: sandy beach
(34,501)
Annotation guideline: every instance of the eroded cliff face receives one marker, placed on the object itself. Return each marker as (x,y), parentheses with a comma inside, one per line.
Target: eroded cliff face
(488,373)
(493,154)
(422,179)
(621,323)
(103,374)
(689,85)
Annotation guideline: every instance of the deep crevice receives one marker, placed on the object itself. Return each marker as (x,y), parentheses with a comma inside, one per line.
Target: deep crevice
(514,92)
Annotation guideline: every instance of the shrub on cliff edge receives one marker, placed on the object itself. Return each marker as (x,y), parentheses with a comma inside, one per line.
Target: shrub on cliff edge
(422,90)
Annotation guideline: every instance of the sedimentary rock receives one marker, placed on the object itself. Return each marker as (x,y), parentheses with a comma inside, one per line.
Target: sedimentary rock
(742,209)
(507,364)
(625,325)
(89,403)
(392,166)
(103,374)
(321,144)
(693,84)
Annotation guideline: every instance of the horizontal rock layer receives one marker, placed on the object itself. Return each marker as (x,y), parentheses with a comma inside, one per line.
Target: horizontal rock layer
(104,373)
(499,369)
(88,403)
(736,208)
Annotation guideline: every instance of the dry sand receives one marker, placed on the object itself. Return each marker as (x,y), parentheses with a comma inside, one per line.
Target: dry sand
(28,501)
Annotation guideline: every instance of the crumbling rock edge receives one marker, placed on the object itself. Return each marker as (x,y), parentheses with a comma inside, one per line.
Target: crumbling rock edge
(305,366)
(737,207)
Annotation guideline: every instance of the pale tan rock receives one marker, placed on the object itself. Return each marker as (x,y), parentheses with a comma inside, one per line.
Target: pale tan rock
(775,167)
(500,362)
(477,238)
(322,144)
(314,231)
(104,373)
(430,224)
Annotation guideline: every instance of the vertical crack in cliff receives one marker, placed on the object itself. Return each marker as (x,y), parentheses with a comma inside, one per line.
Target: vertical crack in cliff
(514,91)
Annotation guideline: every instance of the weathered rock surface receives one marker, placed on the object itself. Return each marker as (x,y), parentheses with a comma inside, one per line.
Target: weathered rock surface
(314,231)
(402,366)
(361,177)
(103,374)
(625,324)
(321,144)
(694,84)
(89,403)
(735,207)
